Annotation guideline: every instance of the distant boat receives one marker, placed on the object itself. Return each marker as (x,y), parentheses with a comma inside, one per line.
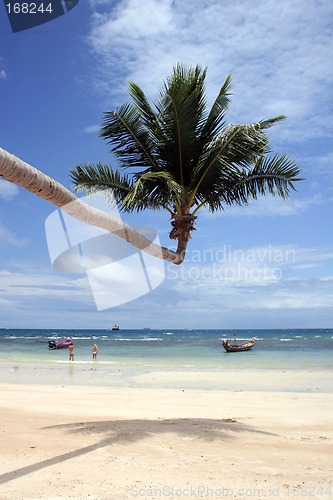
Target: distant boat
(245,346)
(54,344)
(115,327)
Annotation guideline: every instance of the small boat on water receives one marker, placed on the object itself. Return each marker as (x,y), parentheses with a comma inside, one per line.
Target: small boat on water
(115,327)
(245,346)
(54,344)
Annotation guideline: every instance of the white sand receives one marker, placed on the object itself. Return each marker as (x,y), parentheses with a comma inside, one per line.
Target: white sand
(75,442)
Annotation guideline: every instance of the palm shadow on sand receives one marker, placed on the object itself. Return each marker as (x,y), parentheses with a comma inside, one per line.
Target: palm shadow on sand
(125,432)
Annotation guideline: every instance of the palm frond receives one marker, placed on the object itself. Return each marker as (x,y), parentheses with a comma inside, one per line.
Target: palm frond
(215,119)
(271,121)
(130,140)
(92,179)
(181,114)
(153,190)
(275,175)
(141,102)
(236,145)
(237,185)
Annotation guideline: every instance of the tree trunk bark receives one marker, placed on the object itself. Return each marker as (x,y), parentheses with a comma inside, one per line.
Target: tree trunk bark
(181,249)
(18,172)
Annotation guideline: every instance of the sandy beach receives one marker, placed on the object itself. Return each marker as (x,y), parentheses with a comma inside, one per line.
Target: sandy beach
(119,443)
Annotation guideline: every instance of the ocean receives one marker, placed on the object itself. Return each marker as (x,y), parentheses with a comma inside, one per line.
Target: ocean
(125,355)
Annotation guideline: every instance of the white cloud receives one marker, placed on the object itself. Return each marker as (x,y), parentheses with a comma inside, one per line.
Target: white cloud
(35,296)
(266,206)
(259,278)
(32,283)
(252,292)
(3,72)
(320,163)
(231,298)
(8,191)
(131,21)
(91,129)
(277,52)
(9,238)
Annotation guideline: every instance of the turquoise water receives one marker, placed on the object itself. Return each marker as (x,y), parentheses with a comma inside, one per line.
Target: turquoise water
(281,360)
(196,349)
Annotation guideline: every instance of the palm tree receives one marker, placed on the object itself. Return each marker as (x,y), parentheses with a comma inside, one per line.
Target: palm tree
(183,157)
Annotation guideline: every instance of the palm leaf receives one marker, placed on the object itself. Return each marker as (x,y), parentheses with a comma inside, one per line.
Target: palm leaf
(271,121)
(215,119)
(153,190)
(141,102)
(237,145)
(181,114)
(275,175)
(130,140)
(95,178)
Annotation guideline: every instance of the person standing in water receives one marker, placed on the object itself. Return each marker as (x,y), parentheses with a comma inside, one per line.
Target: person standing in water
(94,351)
(71,351)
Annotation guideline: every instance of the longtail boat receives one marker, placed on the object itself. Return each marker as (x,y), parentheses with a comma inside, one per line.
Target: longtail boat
(54,344)
(245,346)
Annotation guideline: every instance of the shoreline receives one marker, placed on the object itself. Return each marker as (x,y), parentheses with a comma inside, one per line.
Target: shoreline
(121,443)
(105,375)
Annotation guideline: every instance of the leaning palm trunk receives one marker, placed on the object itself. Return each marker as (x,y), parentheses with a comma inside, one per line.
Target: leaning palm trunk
(18,172)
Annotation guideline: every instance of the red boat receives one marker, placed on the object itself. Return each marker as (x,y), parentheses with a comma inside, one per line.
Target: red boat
(54,344)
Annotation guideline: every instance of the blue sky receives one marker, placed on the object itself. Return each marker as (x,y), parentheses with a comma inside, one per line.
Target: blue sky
(269,265)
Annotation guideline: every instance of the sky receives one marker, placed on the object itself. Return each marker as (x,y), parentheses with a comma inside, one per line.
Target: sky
(267,265)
